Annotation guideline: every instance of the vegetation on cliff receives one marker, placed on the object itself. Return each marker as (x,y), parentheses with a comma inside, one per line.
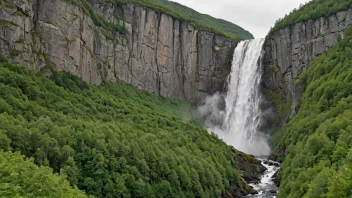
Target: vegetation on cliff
(312,10)
(109,140)
(176,10)
(198,20)
(317,142)
(97,19)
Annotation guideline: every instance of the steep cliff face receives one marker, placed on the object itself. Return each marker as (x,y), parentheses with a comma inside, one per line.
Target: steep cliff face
(158,54)
(290,50)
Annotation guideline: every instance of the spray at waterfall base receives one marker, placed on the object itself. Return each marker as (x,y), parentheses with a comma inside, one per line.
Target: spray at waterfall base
(236,116)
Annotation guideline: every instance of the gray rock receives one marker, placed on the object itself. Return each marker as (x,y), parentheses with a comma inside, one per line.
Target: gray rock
(273,191)
(276,178)
(291,49)
(158,54)
(250,168)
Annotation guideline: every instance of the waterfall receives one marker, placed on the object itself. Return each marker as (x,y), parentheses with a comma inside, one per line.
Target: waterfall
(238,124)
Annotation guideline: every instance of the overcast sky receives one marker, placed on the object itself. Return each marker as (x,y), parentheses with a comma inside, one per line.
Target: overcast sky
(256,16)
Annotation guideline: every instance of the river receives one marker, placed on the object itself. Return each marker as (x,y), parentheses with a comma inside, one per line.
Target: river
(266,187)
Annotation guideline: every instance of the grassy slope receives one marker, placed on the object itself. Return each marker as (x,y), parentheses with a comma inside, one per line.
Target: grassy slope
(200,21)
(318,140)
(313,10)
(111,140)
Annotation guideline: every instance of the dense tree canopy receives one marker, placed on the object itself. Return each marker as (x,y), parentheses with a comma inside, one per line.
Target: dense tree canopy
(318,140)
(22,178)
(313,10)
(111,140)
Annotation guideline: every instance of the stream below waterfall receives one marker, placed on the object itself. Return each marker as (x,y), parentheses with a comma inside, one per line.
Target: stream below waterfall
(266,187)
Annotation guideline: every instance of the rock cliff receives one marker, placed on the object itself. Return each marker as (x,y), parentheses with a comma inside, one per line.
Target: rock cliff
(158,54)
(290,50)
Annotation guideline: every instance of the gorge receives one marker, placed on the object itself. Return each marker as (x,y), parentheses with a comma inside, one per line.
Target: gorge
(148,98)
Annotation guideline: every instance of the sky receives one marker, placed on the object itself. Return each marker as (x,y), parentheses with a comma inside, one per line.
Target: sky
(256,16)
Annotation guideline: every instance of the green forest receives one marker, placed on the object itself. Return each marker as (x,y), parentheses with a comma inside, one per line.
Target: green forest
(20,177)
(318,141)
(63,137)
(109,140)
(312,10)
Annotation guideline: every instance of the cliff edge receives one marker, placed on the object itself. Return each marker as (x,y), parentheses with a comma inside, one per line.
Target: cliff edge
(157,53)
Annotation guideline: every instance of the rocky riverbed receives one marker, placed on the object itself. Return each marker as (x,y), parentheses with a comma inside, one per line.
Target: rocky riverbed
(267,186)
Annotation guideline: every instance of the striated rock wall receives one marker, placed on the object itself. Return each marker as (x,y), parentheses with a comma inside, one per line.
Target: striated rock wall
(290,50)
(158,54)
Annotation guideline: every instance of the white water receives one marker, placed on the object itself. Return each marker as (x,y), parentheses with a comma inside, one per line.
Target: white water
(266,183)
(238,124)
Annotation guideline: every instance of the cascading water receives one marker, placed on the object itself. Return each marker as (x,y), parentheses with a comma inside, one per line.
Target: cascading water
(239,123)
(242,114)
(237,117)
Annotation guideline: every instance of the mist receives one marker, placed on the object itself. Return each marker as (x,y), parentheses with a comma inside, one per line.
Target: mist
(236,117)
(213,112)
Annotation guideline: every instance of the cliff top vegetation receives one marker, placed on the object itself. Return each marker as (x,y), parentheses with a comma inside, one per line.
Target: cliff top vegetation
(198,20)
(312,11)
(176,10)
